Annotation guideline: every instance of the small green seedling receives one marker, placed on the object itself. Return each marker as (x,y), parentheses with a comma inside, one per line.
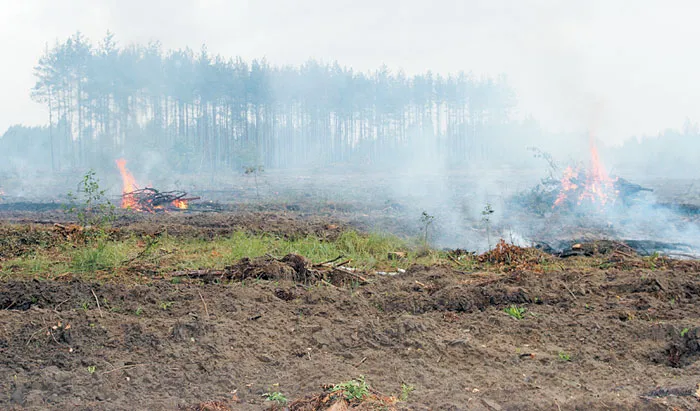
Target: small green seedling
(356,389)
(165,305)
(276,396)
(91,369)
(684,331)
(406,390)
(139,311)
(564,356)
(515,311)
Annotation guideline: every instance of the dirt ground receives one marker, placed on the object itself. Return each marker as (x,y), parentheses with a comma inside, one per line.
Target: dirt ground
(615,338)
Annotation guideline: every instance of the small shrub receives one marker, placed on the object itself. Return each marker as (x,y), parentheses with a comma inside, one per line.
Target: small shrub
(353,390)
(276,396)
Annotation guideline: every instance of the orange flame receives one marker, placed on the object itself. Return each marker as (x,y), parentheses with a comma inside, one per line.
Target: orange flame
(566,185)
(599,188)
(181,204)
(128,185)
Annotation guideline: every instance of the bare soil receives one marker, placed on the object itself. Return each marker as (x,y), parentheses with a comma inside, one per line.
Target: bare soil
(623,338)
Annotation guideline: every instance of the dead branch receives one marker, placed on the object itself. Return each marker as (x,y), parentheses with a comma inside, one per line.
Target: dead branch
(97,301)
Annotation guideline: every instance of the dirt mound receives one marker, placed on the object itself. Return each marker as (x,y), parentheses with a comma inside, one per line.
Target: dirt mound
(292,267)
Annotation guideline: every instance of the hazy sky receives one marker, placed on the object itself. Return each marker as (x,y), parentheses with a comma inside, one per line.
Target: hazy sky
(620,67)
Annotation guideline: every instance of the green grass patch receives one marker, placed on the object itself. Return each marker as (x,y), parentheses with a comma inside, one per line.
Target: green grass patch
(100,256)
(166,253)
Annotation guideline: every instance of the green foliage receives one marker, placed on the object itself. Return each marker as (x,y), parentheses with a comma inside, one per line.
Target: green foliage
(90,203)
(165,305)
(99,256)
(515,311)
(91,369)
(684,331)
(406,390)
(139,311)
(564,356)
(353,390)
(276,396)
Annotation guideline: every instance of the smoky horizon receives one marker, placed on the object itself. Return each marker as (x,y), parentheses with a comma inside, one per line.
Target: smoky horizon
(407,131)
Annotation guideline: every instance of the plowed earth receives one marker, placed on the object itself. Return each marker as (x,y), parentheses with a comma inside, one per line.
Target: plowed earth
(589,339)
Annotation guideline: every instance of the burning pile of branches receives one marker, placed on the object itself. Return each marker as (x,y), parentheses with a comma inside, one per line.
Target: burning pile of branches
(578,186)
(149,199)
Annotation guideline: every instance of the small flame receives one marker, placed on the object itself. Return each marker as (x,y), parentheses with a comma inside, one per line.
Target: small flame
(128,185)
(181,204)
(567,185)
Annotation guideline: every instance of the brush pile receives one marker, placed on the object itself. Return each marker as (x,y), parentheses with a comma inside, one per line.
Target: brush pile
(509,257)
(151,200)
(291,267)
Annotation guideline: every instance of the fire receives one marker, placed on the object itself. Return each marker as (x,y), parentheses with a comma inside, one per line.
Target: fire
(128,185)
(181,204)
(567,184)
(595,185)
(147,199)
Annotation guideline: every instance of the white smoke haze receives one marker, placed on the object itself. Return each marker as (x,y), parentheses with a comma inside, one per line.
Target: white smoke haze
(623,71)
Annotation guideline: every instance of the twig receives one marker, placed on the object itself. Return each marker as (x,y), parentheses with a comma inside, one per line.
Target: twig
(329,261)
(328,284)
(273,257)
(55,309)
(197,273)
(203,302)
(126,367)
(97,301)
(569,290)
(32,336)
(623,254)
(456,261)
(361,361)
(359,277)
(341,264)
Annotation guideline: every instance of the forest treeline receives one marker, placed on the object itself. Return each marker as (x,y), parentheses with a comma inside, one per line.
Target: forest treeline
(203,111)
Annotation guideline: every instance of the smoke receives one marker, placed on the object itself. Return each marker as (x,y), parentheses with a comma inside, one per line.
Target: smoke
(414,136)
